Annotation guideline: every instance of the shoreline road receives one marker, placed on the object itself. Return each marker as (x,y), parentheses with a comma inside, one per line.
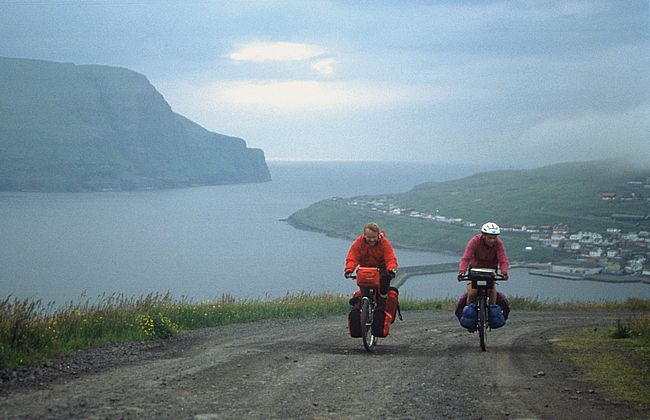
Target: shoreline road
(427,368)
(536,269)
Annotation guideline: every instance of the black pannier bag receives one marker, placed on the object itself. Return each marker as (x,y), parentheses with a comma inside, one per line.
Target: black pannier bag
(354,317)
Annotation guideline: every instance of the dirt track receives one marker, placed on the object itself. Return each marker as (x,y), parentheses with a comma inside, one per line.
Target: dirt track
(427,368)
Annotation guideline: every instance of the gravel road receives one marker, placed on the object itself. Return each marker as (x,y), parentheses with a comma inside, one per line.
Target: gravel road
(428,368)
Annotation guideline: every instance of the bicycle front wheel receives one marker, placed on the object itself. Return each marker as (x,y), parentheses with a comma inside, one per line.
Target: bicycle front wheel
(482,322)
(367,311)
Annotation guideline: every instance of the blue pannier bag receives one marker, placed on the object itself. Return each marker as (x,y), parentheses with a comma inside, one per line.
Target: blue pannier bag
(469,317)
(495,317)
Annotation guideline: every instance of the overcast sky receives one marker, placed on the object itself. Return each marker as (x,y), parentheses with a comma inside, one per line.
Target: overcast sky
(531,82)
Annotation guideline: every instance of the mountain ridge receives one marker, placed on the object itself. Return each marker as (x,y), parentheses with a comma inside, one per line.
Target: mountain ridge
(68,127)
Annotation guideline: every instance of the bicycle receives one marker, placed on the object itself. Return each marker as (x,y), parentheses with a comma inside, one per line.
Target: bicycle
(367,278)
(482,279)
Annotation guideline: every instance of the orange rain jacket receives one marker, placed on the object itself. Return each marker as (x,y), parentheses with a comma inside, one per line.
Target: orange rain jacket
(364,255)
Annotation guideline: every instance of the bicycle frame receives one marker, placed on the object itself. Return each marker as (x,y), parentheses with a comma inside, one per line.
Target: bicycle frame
(368,305)
(483,279)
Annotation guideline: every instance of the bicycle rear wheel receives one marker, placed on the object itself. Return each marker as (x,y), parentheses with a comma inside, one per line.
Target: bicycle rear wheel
(367,312)
(482,322)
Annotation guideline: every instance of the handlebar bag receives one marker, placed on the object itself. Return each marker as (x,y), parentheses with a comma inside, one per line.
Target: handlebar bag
(368,277)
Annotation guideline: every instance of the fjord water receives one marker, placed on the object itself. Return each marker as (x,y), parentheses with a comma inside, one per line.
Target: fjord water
(204,242)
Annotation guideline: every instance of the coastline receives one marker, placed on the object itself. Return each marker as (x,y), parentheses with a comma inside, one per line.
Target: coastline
(333,234)
(536,268)
(603,278)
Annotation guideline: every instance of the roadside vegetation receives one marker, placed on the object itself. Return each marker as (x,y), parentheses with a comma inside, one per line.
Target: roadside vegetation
(613,359)
(31,332)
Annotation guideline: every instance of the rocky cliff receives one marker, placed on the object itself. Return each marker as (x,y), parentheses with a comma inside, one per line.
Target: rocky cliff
(66,127)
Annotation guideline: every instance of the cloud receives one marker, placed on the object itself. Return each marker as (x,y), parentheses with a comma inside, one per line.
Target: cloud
(310,95)
(592,135)
(325,66)
(291,95)
(276,51)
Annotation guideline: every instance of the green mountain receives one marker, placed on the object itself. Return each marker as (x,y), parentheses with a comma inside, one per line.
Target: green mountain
(580,196)
(567,193)
(66,127)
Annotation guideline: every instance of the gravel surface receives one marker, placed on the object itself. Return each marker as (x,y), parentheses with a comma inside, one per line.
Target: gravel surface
(428,367)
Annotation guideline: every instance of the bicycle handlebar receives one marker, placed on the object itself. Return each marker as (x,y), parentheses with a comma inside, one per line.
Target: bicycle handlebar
(353,274)
(476,275)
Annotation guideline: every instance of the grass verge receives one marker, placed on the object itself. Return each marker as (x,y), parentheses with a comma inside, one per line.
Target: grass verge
(31,332)
(613,358)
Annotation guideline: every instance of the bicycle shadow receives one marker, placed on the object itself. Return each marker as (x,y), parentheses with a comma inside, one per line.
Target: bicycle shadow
(352,347)
(355,347)
(348,347)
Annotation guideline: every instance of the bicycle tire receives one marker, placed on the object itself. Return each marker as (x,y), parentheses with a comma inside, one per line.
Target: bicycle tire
(367,312)
(482,322)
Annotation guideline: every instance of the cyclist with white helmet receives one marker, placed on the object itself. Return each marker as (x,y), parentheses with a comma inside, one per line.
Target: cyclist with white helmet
(485,250)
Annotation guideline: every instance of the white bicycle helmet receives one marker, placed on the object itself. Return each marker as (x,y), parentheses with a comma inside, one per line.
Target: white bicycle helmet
(491,228)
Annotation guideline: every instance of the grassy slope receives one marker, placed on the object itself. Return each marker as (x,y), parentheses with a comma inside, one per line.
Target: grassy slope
(617,366)
(565,193)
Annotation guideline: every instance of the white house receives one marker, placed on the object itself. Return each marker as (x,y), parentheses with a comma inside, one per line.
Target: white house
(596,252)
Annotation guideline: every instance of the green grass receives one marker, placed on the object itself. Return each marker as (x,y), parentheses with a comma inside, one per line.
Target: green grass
(561,193)
(614,359)
(534,304)
(31,332)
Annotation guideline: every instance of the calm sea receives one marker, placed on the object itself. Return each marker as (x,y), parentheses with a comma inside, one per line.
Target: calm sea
(204,242)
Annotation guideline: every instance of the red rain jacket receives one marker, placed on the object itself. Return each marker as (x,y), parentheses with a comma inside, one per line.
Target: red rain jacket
(479,255)
(364,255)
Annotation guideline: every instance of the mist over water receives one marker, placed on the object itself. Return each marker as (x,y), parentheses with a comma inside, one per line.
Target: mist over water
(204,242)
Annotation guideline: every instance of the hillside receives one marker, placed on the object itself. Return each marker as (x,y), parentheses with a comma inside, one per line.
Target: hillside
(66,127)
(443,215)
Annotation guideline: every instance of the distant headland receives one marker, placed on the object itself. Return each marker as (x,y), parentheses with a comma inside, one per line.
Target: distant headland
(67,127)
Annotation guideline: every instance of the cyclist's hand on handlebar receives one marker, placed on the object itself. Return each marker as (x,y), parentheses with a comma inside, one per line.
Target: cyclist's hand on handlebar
(347,274)
(505,275)
(460,276)
(392,273)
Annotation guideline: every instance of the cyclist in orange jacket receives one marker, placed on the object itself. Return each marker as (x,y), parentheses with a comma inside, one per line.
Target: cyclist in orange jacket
(372,249)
